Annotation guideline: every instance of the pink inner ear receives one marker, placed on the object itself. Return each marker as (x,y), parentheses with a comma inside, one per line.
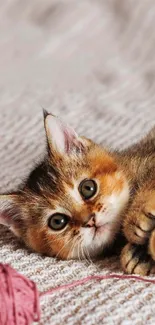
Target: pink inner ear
(69,140)
(72,143)
(5,219)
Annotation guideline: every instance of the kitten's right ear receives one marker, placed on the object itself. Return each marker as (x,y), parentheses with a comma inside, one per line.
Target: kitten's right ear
(61,138)
(9,210)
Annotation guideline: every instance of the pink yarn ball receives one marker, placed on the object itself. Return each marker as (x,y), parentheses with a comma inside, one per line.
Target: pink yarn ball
(19,298)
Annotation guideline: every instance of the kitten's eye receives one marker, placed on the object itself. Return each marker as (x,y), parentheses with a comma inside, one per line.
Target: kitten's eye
(88,189)
(58,221)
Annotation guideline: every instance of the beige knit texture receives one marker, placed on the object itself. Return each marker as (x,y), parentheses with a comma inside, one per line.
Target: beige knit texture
(93,63)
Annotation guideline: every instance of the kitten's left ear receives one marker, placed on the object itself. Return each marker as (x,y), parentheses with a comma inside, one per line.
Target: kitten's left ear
(9,210)
(61,138)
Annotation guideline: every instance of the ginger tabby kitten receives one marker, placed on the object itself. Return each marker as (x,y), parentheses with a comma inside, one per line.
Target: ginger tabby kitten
(76,201)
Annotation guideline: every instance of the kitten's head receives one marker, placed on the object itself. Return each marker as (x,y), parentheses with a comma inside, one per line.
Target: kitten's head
(72,202)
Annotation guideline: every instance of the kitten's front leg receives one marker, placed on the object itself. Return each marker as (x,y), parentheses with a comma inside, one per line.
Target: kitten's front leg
(140,219)
(136,260)
(138,256)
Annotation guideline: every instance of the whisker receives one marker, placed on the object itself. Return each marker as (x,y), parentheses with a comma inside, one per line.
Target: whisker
(69,253)
(89,259)
(63,247)
(84,255)
(73,245)
(79,252)
(54,240)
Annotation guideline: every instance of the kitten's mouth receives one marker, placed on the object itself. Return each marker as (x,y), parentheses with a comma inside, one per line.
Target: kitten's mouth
(98,230)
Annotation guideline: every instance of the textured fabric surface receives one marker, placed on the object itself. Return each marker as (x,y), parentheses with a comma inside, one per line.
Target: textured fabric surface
(93,63)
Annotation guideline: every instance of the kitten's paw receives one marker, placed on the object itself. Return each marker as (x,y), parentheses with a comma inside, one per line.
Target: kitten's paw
(138,227)
(136,260)
(152,245)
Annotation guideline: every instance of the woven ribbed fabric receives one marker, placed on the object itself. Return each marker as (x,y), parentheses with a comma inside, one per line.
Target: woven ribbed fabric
(93,63)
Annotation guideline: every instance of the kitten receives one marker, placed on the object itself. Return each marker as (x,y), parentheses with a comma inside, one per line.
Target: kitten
(74,203)
(71,204)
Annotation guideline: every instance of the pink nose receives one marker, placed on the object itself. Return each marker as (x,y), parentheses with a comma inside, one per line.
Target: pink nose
(91,222)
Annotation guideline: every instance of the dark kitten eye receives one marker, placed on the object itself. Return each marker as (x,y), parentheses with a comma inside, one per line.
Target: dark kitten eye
(88,189)
(58,221)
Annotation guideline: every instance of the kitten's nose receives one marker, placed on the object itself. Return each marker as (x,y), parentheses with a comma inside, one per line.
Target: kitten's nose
(91,221)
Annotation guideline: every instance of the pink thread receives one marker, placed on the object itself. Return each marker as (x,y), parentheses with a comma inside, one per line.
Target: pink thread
(98,278)
(19,297)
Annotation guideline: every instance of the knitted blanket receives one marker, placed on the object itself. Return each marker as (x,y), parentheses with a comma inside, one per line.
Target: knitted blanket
(93,63)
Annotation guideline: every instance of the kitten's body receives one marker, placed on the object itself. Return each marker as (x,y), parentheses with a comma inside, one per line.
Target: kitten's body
(138,161)
(75,202)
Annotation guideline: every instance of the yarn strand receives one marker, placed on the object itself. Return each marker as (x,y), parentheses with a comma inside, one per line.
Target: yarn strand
(97,278)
